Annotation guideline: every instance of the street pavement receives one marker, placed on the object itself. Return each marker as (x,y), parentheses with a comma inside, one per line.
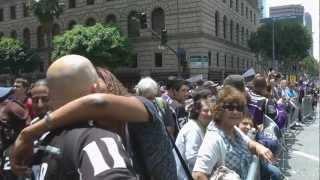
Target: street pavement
(302,159)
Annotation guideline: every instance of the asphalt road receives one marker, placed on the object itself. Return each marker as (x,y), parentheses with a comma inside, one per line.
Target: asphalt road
(302,159)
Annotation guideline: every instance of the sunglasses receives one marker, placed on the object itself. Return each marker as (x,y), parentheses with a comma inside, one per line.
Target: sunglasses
(232,107)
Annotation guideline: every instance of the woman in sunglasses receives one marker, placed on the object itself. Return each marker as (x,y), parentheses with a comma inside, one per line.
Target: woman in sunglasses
(223,143)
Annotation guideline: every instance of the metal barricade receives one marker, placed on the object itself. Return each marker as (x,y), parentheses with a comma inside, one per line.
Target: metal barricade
(254,169)
(293,113)
(306,107)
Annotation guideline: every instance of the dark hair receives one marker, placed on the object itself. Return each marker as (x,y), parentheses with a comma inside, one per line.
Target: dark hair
(178,83)
(170,82)
(114,86)
(201,93)
(22,81)
(260,85)
(228,94)
(196,108)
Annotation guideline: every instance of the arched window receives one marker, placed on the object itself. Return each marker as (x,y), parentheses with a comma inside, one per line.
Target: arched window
(13,34)
(71,24)
(40,37)
(55,30)
(90,22)
(111,19)
(158,20)
(237,33)
(242,35)
(217,21)
(133,24)
(26,37)
(231,30)
(225,27)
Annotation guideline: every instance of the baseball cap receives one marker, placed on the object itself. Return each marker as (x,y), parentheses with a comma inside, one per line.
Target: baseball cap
(5,92)
(236,81)
(208,84)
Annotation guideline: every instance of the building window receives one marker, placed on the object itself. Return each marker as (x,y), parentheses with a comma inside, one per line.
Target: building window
(217,21)
(40,37)
(247,63)
(134,60)
(247,36)
(237,5)
(218,63)
(1,34)
(111,19)
(231,61)
(224,27)
(231,3)
(26,37)
(13,12)
(238,62)
(251,16)
(133,25)
(71,24)
(225,61)
(13,34)
(55,30)
(25,10)
(90,22)
(209,58)
(72,4)
(224,1)
(241,9)
(242,35)
(231,30)
(158,20)
(1,15)
(158,59)
(254,18)
(237,33)
(247,14)
(90,2)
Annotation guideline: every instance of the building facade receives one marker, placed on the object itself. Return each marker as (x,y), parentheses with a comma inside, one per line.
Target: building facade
(213,33)
(287,10)
(308,25)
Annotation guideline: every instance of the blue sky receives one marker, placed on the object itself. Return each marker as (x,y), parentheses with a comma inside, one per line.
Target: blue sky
(311,6)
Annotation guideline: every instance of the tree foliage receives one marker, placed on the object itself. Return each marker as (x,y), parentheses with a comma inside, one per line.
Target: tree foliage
(15,58)
(292,41)
(103,45)
(311,66)
(46,10)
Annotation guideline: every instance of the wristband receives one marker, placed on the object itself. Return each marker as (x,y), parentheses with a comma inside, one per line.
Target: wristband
(48,120)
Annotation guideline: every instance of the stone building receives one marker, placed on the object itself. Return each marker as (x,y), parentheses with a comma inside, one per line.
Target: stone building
(213,33)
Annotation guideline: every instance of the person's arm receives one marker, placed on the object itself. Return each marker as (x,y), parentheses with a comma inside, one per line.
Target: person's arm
(97,107)
(193,143)
(199,176)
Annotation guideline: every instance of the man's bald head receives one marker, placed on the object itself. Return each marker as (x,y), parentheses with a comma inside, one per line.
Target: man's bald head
(69,78)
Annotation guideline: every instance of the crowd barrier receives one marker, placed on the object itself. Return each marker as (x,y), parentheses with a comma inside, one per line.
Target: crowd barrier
(293,115)
(306,105)
(254,169)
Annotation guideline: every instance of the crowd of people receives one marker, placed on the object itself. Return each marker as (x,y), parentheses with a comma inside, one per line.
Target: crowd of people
(80,122)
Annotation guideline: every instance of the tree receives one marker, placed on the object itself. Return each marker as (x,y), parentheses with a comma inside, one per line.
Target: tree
(104,45)
(292,41)
(15,58)
(46,11)
(310,66)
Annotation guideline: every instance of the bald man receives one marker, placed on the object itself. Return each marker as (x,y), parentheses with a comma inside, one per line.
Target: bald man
(81,151)
(151,148)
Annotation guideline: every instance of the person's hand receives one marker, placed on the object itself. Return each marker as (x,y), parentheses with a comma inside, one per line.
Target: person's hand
(21,154)
(265,153)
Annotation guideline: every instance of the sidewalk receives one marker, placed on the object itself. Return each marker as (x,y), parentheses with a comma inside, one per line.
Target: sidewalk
(302,160)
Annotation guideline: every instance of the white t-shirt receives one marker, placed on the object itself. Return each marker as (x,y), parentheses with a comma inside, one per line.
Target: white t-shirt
(188,141)
(213,150)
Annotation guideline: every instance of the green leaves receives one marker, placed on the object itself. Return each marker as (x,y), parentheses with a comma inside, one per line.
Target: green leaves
(46,10)
(103,45)
(15,58)
(291,41)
